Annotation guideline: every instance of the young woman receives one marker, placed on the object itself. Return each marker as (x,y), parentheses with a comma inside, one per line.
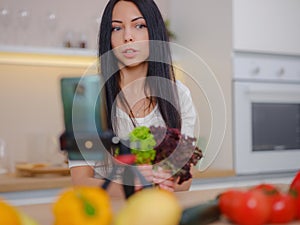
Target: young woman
(140,87)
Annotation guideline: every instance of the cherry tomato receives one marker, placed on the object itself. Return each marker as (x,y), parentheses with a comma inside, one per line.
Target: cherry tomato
(229,201)
(255,208)
(268,189)
(283,209)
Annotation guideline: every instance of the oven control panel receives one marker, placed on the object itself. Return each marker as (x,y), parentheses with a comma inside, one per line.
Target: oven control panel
(268,67)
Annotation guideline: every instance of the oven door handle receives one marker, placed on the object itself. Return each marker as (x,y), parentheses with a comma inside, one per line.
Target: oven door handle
(276,91)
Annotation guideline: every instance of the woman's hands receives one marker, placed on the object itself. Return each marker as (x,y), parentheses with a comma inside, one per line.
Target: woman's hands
(164,179)
(159,176)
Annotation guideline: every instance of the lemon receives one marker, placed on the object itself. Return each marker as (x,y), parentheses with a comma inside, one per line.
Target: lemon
(148,207)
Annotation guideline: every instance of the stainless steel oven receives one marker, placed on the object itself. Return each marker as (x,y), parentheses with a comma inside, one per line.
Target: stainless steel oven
(266,113)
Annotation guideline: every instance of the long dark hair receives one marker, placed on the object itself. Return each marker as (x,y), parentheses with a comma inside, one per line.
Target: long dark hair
(159,64)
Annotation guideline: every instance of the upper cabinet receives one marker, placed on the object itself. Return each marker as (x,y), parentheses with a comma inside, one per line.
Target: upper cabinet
(271,26)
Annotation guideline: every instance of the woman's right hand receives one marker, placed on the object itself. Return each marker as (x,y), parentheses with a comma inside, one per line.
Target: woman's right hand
(164,179)
(147,172)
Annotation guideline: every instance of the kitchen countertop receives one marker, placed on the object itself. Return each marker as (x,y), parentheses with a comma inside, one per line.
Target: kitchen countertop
(14,183)
(42,213)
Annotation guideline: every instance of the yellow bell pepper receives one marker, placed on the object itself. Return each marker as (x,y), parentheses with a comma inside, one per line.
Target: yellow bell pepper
(8,214)
(83,206)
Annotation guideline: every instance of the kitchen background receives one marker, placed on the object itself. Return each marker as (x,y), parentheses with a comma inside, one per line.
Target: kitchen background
(214,30)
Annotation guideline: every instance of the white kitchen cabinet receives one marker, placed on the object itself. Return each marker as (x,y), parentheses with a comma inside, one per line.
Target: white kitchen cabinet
(271,26)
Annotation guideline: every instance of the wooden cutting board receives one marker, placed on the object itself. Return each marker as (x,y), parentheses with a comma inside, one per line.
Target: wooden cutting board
(35,169)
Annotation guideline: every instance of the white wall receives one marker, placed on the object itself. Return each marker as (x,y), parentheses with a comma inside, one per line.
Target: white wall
(31,115)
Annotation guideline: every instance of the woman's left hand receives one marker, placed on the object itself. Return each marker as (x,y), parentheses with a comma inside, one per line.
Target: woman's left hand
(164,179)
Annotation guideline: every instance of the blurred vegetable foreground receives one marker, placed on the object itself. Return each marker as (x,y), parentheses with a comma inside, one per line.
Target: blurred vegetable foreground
(91,206)
(9,215)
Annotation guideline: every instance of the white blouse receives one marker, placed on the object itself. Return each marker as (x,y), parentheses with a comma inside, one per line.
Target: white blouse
(154,118)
